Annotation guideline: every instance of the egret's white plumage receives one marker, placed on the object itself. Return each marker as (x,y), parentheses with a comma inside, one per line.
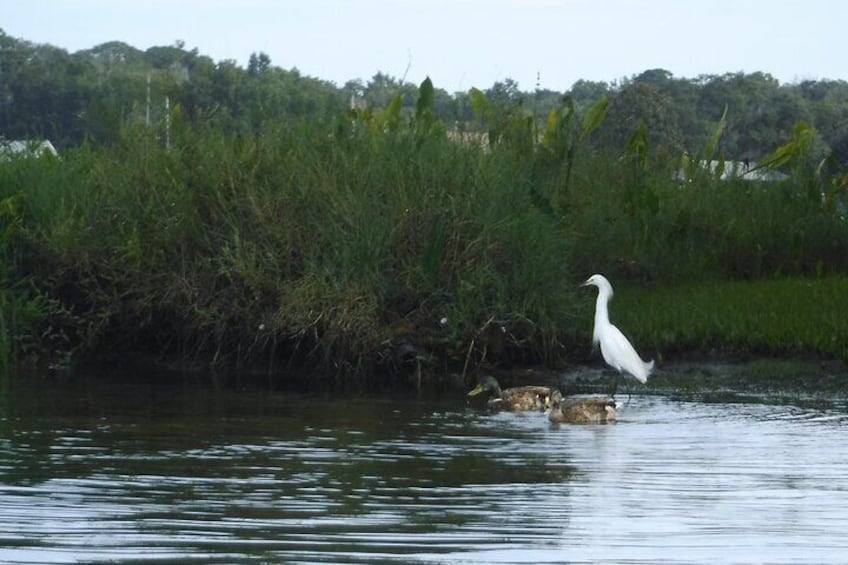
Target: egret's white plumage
(615,348)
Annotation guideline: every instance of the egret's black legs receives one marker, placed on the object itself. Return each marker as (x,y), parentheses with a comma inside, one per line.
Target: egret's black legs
(614,386)
(616,377)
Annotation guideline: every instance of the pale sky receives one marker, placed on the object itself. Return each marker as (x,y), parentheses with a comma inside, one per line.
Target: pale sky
(465,43)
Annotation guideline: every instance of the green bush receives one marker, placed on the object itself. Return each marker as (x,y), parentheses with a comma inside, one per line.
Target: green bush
(374,238)
(335,242)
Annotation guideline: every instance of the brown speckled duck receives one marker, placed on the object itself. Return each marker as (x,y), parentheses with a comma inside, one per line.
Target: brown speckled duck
(581,410)
(521,398)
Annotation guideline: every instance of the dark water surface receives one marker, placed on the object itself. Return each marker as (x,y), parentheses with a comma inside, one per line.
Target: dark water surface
(95,472)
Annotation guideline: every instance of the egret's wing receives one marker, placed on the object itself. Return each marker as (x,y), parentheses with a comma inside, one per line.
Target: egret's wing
(620,354)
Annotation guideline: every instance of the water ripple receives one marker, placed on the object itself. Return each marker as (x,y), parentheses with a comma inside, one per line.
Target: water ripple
(673,481)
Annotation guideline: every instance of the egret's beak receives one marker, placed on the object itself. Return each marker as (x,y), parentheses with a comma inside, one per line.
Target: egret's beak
(585,283)
(476,390)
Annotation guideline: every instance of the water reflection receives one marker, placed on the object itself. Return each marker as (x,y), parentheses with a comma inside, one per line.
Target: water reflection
(95,472)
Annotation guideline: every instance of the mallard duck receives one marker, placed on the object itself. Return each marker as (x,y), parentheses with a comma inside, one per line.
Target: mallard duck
(516,398)
(582,410)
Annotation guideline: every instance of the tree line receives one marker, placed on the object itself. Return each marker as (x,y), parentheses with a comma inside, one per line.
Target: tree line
(91,95)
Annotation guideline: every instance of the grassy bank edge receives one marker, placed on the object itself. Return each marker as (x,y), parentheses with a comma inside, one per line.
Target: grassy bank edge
(711,340)
(773,317)
(722,340)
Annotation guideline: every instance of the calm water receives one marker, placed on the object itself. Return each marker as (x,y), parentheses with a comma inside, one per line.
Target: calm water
(129,473)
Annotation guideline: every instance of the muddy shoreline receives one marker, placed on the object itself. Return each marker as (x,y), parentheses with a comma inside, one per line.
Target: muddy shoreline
(820,382)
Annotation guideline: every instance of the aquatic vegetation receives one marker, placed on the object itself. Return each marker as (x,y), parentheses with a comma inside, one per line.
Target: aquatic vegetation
(377,241)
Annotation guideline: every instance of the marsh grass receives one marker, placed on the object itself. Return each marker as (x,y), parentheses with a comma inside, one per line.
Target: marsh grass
(376,243)
(775,316)
(652,227)
(336,244)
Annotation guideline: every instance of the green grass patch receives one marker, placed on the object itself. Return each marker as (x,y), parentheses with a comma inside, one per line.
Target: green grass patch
(786,316)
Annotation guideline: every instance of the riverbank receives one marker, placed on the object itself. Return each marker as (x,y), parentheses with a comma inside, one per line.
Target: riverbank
(373,248)
(743,336)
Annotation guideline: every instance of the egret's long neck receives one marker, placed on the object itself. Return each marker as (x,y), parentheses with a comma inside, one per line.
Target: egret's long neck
(601,314)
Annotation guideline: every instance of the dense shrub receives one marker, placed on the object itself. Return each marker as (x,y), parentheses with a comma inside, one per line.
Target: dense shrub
(375,240)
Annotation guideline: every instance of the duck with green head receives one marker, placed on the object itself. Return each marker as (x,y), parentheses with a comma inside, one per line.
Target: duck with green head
(519,398)
(581,410)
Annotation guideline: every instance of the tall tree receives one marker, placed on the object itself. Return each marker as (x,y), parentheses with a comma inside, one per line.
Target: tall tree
(641,105)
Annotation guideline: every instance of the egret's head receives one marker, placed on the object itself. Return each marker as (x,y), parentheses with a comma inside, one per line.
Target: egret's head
(487,384)
(601,282)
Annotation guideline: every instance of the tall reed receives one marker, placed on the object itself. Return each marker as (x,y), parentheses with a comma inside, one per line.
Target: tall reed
(337,243)
(373,240)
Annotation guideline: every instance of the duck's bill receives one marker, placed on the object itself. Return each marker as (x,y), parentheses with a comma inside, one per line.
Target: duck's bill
(476,390)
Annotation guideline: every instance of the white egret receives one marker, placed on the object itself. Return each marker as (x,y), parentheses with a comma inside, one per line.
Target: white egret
(615,348)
